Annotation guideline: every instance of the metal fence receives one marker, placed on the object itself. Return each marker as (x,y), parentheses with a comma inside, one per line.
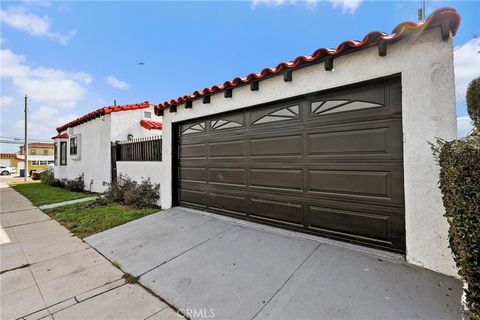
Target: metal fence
(141,149)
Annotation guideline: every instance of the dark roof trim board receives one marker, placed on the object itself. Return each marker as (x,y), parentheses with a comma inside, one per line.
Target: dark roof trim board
(103,111)
(446,18)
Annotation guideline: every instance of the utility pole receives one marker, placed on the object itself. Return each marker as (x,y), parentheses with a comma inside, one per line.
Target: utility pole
(421,12)
(25,147)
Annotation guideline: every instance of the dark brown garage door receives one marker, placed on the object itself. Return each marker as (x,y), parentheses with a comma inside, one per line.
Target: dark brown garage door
(328,163)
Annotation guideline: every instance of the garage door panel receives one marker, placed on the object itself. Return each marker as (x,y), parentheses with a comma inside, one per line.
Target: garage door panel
(359,223)
(232,204)
(277,210)
(193,174)
(193,151)
(193,197)
(277,178)
(227,149)
(234,176)
(348,142)
(276,146)
(362,183)
(379,141)
(334,170)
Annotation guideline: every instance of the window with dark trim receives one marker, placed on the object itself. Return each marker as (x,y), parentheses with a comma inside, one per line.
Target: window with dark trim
(73,146)
(198,127)
(338,105)
(55,153)
(63,153)
(283,114)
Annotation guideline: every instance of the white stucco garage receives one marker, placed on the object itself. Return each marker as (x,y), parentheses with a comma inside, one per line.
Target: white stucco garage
(420,56)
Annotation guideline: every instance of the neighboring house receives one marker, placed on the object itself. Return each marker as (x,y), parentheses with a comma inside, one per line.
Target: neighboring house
(83,145)
(40,155)
(9,160)
(334,143)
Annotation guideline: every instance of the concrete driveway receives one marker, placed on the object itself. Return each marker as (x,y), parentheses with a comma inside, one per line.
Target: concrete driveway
(207,265)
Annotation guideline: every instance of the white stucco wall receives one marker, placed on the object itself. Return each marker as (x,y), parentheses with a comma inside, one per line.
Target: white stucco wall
(425,63)
(140,170)
(128,122)
(94,158)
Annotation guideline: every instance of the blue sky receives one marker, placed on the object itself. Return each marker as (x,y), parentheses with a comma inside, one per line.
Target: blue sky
(74,57)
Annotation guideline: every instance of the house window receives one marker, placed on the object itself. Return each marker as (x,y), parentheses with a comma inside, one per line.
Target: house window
(45,152)
(63,153)
(55,153)
(35,163)
(73,146)
(147,114)
(195,128)
(334,106)
(33,151)
(288,113)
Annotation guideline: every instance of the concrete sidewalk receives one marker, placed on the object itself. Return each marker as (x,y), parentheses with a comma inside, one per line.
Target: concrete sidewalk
(46,271)
(240,270)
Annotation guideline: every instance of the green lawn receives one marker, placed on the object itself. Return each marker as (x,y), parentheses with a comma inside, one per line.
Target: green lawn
(84,221)
(40,193)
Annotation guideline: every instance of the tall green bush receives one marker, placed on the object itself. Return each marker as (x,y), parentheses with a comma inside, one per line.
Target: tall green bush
(459,162)
(460,184)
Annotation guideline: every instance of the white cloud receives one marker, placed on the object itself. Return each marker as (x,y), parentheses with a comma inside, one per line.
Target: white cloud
(467,65)
(116,83)
(347,6)
(44,85)
(17,17)
(464,126)
(43,121)
(6,101)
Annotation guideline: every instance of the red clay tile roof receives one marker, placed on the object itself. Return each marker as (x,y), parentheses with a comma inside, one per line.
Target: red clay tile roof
(447,17)
(101,112)
(8,155)
(61,136)
(151,125)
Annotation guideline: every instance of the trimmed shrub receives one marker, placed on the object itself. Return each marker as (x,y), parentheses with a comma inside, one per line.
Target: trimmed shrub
(75,185)
(47,177)
(138,195)
(473,101)
(460,184)
(142,195)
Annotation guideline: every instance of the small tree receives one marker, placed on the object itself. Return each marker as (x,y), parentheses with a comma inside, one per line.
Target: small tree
(473,101)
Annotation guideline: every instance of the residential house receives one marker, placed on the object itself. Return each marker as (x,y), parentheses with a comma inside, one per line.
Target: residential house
(83,146)
(334,143)
(9,160)
(40,156)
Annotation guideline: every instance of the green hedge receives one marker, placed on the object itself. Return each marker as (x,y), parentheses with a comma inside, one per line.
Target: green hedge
(460,184)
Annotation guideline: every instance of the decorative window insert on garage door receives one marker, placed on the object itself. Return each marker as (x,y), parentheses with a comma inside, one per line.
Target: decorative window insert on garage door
(327,163)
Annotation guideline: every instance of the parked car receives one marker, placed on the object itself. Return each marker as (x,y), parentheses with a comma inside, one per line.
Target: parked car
(5,171)
(35,175)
